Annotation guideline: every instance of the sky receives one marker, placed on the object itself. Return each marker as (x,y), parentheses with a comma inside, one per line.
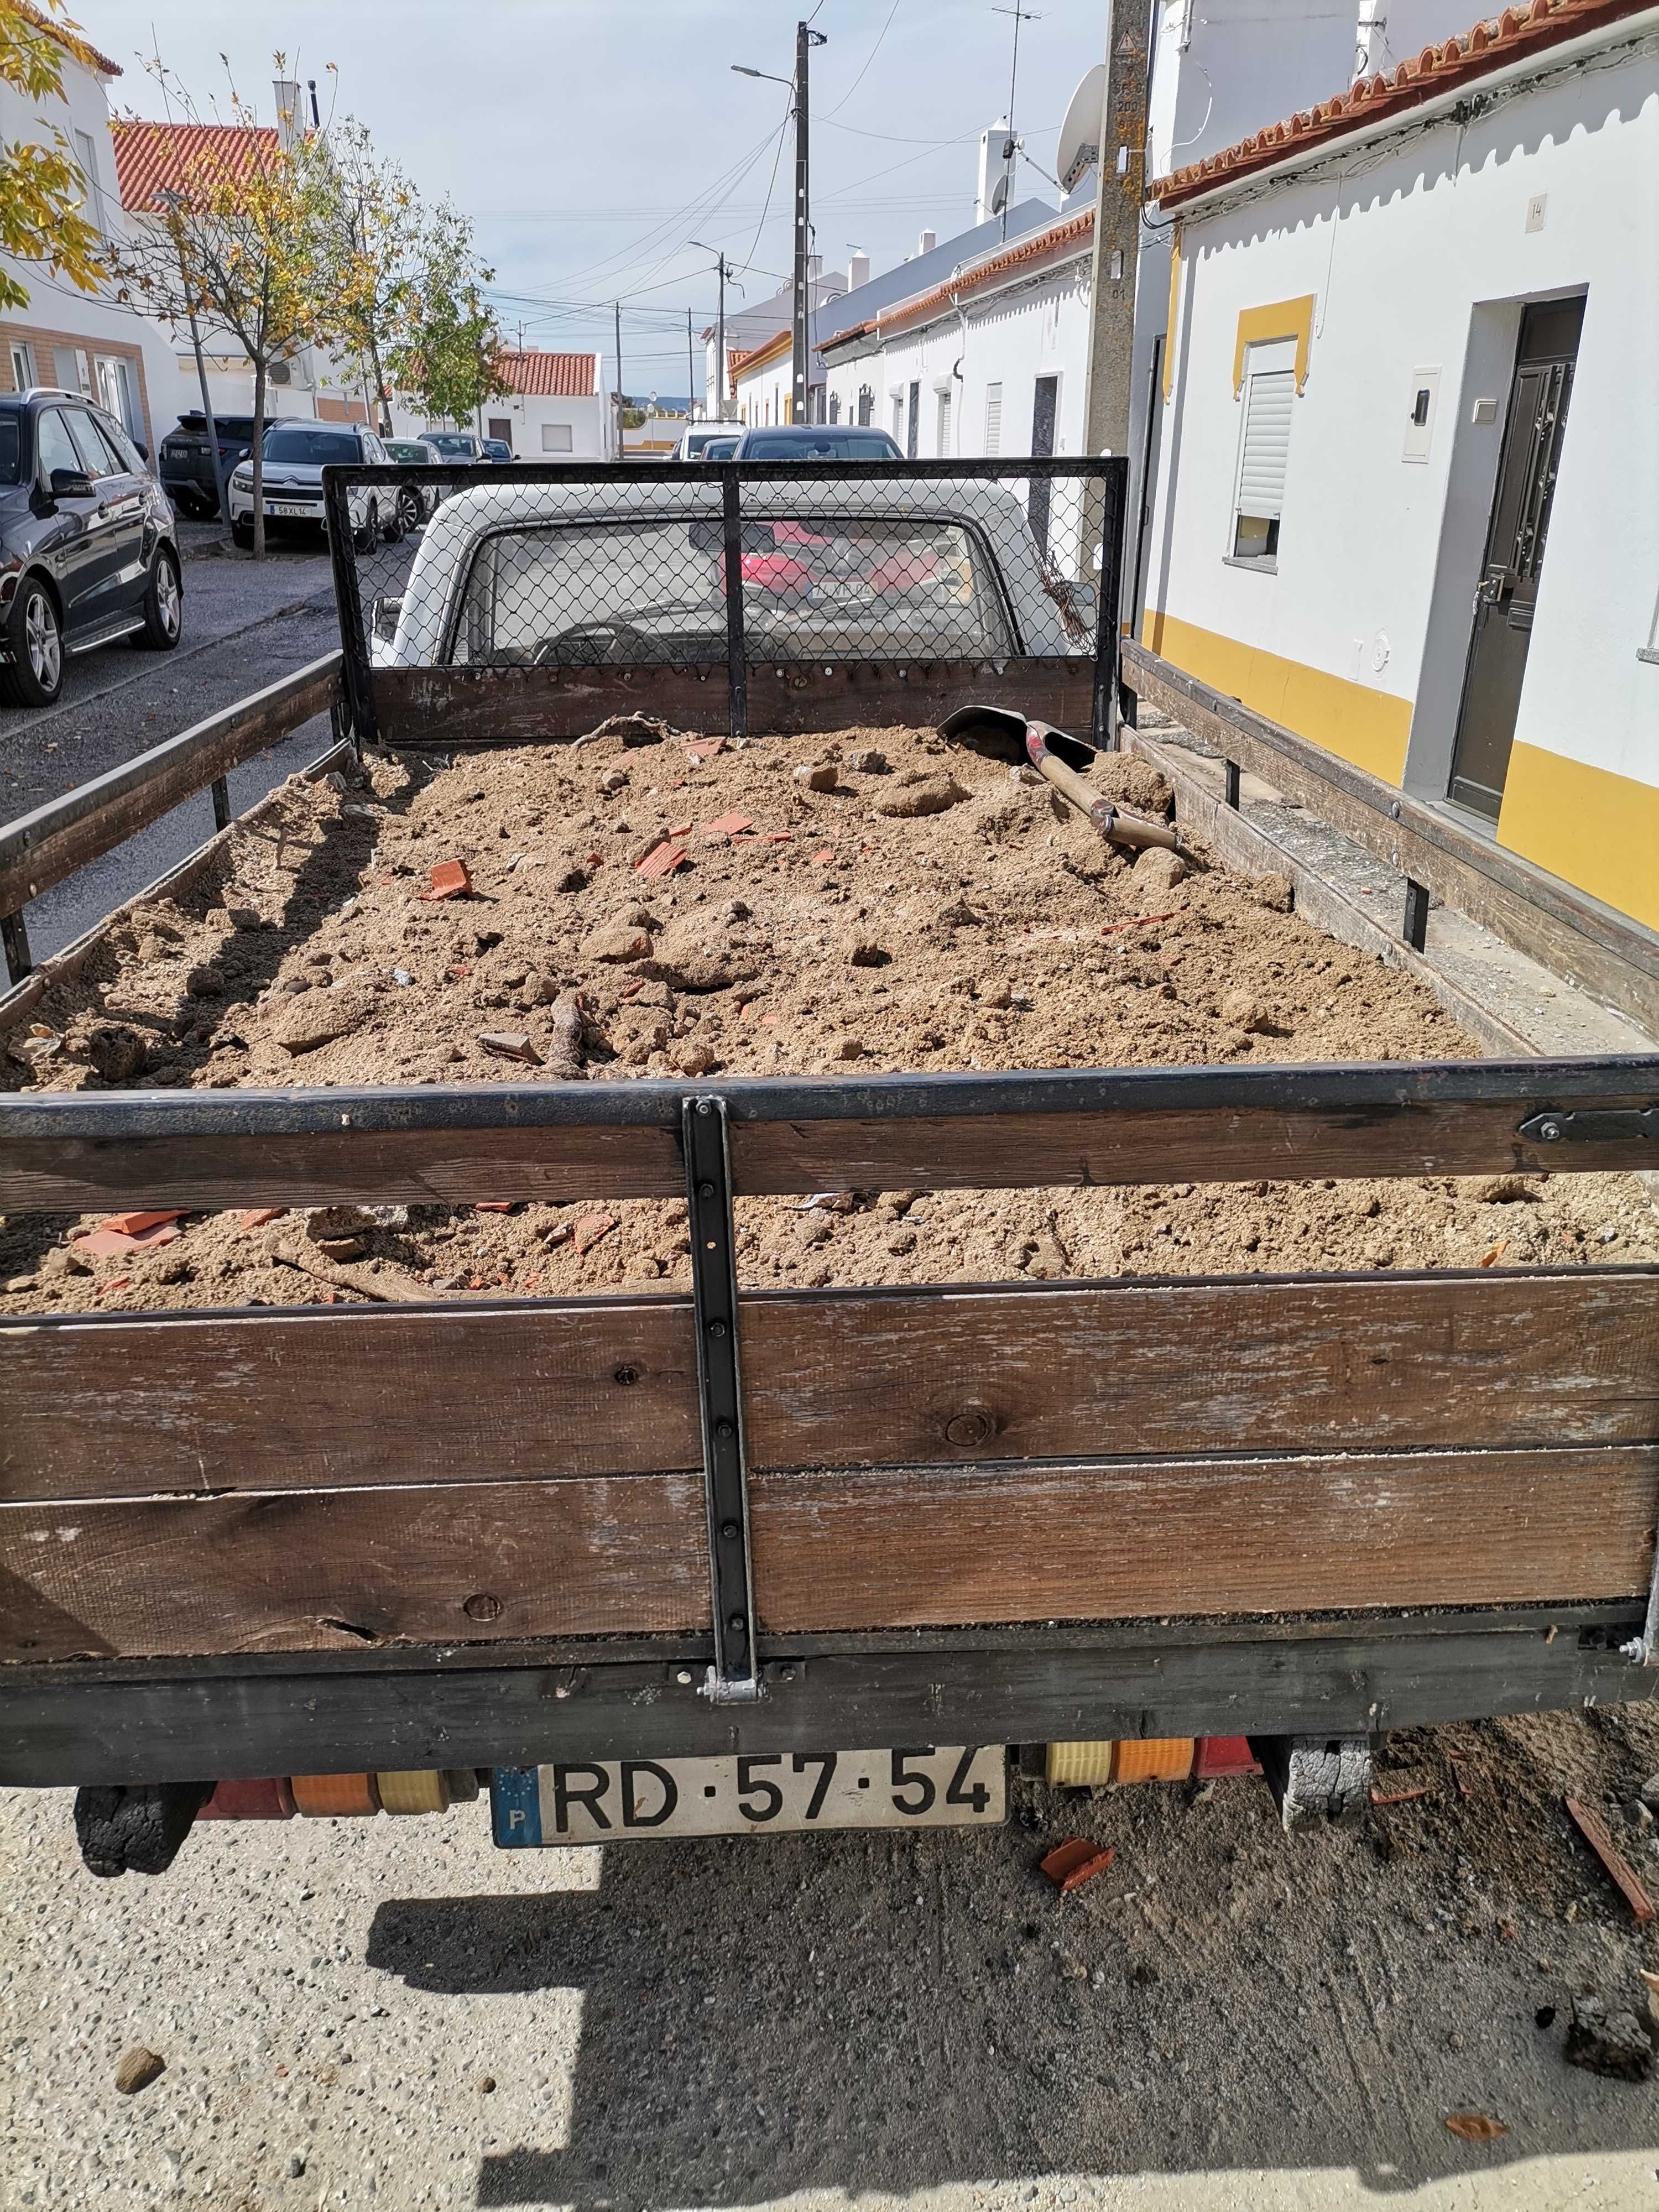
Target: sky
(592,140)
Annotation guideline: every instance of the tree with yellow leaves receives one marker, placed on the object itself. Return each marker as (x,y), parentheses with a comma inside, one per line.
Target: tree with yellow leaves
(42,189)
(244,245)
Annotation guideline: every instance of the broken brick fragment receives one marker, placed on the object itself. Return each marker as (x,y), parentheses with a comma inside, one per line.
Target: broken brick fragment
(661,860)
(1076,1861)
(257,1215)
(494,1204)
(591,1227)
(134,1225)
(704,749)
(727,825)
(449,880)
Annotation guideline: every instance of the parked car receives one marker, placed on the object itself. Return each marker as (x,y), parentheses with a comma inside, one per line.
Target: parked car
(187,458)
(718,449)
(816,441)
(295,454)
(88,552)
(580,574)
(417,503)
(459,448)
(497,449)
(693,440)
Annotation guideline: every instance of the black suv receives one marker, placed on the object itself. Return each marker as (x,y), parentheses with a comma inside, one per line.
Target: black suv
(88,552)
(187,458)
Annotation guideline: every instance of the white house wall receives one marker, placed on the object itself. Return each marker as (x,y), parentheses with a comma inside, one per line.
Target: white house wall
(1011,338)
(1418,255)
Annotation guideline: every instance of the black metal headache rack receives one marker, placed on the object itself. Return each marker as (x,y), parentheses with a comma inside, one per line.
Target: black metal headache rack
(502,604)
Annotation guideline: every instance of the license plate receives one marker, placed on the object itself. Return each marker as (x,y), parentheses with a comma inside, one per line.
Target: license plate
(772,1793)
(847,595)
(288,506)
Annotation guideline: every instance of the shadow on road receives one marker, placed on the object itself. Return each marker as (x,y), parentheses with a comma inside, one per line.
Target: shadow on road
(880,2013)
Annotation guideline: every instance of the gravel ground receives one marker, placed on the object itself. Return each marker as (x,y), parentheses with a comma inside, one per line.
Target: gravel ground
(1225,2018)
(245,624)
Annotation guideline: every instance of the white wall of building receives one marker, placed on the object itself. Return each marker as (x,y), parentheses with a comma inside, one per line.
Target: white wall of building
(61,320)
(1033,328)
(1417,254)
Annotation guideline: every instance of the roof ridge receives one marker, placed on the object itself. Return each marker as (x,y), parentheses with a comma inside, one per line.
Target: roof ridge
(1036,246)
(1491,43)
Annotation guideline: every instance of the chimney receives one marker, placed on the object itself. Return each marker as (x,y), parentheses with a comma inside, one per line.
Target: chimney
(290,119)
(927,241)
(858,269)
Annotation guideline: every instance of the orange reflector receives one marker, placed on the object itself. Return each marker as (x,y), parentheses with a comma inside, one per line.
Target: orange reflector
(1154,1759)
(334,1797)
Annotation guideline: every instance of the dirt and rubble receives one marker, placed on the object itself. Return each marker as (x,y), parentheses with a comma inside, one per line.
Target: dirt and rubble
(649,903)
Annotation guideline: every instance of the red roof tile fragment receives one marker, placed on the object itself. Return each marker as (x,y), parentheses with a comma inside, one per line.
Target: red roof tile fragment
(1076,1861)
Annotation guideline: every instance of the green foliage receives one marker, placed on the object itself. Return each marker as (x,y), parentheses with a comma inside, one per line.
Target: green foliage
(42,189)
(449,353)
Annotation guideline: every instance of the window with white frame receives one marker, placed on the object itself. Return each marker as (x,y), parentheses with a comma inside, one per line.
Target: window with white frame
(1269,400)
(83,372)
(898,418)
(556,438)
(993,418)
(85,154)
(23,366)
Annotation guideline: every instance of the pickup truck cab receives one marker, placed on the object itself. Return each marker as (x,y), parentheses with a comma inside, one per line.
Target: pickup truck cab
(549,575)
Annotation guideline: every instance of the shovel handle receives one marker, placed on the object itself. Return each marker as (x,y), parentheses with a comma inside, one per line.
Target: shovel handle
(1119,829)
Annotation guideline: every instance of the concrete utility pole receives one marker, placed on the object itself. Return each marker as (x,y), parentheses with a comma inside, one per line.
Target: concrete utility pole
(621,441)
(1119,191)
(800,351)
(690,373)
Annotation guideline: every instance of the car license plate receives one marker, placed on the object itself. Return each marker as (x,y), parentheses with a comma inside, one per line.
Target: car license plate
(769,1792)
(848,595)
(288,506)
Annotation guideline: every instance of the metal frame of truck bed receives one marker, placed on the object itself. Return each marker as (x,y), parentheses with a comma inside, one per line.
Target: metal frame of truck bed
(968,1513)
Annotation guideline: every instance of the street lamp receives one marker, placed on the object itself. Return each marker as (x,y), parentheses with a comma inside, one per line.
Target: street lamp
(805,39)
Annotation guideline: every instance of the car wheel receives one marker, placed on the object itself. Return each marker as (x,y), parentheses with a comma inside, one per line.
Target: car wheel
(241,532)
(396,527)
(164,604)
(36,638)
(365,538)
(410,512)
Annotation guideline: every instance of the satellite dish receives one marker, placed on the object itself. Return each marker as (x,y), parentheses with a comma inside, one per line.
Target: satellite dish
(999,194)
(1079,134)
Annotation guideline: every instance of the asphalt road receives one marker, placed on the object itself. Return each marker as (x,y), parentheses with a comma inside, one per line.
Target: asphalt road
(247,622)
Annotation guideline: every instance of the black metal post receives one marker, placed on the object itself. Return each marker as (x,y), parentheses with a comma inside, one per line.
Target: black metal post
(1232,783)
(221,790)
(354,636)
(1111,508)
(736,671)
(734,1677)
(15,938)
(1415,926)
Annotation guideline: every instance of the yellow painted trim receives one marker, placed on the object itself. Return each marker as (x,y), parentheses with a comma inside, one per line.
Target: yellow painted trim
(1285,319)
(1174,309)
(1367,728)
(1588,825)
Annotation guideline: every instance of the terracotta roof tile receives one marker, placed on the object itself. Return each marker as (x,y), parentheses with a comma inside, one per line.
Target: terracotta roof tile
(156,157)
(1060,241)
(551,375)
(81,48)
(1494,44)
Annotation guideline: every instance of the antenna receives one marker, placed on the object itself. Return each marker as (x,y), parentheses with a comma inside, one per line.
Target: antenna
(1079,134)
(1020,16)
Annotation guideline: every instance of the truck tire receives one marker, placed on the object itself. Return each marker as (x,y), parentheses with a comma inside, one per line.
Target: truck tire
(36,639)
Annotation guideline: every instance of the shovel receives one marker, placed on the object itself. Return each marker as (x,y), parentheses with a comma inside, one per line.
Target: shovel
(1014,736)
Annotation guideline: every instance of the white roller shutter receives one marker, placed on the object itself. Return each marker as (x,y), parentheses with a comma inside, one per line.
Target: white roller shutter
(1269,398)
(993,418)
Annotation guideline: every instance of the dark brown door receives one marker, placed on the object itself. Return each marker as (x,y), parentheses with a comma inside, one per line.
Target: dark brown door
(1507,591)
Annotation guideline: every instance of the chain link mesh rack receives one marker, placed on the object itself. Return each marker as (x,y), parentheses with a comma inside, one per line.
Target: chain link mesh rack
(503,604)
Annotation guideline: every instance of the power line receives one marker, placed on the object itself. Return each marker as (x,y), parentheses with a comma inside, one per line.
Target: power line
(859,79)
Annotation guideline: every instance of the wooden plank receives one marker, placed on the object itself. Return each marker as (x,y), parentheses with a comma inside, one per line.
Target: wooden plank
(1147,1125)
(291,1570)
(448,708)
(117,1407)
(41,848)
(58,967)
(483,1706)
(1613,958)
(913,1546)
(860,1378)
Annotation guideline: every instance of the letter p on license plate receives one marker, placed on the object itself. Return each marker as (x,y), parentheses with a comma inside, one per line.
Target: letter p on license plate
(765,1793)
